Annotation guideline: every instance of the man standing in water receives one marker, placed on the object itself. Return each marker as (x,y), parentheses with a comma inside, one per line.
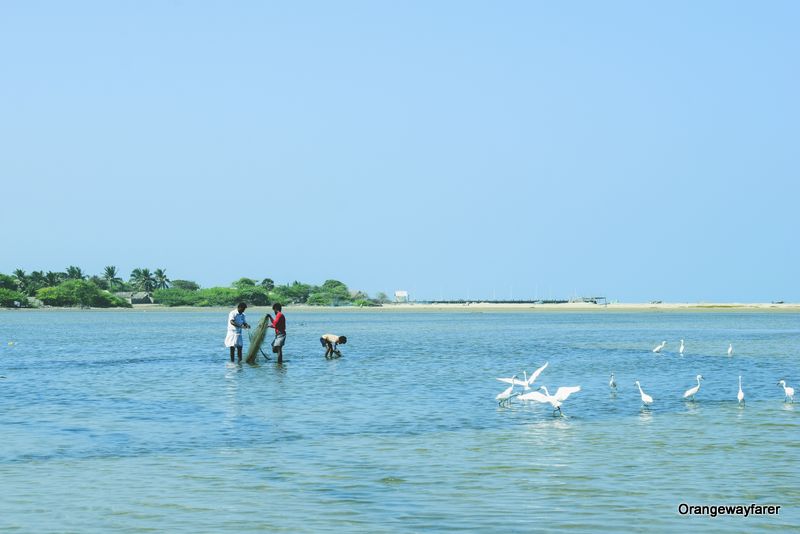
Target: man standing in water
(236,321)
(279,324)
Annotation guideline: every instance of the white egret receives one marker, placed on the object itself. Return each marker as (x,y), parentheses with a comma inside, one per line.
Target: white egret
(503,397)
(513,381)
(556,400)
(730,349)
(740,395)
(788,393)
(691,391)
(523,382)
(612,383)
(659,348)
(647,400)
(535,375)
(680,350)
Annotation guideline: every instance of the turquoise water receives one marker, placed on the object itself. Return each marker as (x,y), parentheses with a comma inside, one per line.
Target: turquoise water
(133,421)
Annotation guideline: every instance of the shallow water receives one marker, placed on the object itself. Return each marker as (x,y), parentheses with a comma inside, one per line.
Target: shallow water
(133,421)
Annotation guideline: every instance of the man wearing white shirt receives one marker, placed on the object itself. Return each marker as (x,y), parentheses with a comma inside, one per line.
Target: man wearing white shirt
(236,321)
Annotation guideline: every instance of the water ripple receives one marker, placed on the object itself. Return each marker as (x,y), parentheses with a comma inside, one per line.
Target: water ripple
(148,427)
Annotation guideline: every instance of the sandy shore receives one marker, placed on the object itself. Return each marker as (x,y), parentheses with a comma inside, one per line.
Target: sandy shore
(572,306)
(583,306)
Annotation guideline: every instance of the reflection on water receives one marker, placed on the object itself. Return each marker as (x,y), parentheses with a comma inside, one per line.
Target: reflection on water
(645,415)
(232,373)
(692,406)
(148,428)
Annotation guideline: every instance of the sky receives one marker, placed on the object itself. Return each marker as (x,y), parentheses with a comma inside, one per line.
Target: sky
(454,149)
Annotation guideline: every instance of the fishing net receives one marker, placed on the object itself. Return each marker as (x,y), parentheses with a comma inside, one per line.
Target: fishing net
(256,339)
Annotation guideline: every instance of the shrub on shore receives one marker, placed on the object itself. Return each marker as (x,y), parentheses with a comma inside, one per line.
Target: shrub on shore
(212,296)
(175,296)
(12,299)
(188,285)
(366,303)
(79,293)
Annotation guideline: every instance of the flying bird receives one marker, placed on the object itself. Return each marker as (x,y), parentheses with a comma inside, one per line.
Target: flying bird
(556,400)
(512,380)
(535,375)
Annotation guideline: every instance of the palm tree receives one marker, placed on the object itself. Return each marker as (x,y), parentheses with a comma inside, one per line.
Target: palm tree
(136,278)
(161,280)
(148,282)
(143,279)
(36,281)
(99,282)
(22,280)
(75,273)
(111,277)
(52,279)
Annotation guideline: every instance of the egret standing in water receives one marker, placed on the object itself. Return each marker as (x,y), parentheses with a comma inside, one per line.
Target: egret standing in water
(612,383)
(506,395)
(647,400)
(680,350)
(740,395)
(691,391)
(788,393)
(659,348)
(730,349)
(556,400)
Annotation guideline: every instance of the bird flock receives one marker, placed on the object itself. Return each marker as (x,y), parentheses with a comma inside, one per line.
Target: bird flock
(543,396)
(555,400)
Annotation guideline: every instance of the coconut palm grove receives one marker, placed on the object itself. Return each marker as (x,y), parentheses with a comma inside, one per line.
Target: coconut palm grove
(75,288)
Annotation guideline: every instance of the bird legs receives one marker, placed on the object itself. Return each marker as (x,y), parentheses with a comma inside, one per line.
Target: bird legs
(504,402)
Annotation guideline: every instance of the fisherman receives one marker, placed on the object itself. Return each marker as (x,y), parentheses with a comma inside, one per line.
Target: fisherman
(330,342)
(279,324)
(236,321)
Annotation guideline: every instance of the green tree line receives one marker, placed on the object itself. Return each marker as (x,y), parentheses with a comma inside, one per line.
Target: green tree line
(264,293)
(73,287)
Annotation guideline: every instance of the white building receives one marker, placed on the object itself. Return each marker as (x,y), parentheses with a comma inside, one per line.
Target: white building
(401,296)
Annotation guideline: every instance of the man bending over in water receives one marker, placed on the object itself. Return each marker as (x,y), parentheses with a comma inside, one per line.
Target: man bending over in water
(330,342)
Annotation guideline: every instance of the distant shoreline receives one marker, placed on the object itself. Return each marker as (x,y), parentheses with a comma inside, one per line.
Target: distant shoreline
(468,307)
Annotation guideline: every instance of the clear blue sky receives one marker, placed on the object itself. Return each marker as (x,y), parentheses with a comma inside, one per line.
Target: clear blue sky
(637,150)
